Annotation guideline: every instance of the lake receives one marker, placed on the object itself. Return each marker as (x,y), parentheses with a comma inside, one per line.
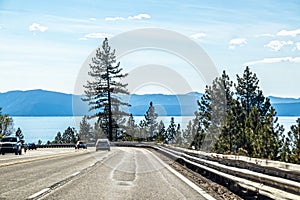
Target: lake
(46,128)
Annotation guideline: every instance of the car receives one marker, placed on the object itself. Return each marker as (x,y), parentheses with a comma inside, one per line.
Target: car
(10,144)
(31,146)
(81,144)
(102,144)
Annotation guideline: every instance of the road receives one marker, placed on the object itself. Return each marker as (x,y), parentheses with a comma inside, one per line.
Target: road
(122,173)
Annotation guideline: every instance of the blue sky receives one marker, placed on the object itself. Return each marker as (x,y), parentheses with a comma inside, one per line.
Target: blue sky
(43,44)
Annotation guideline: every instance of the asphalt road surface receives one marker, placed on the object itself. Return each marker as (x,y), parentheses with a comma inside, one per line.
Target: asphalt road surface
(122,173)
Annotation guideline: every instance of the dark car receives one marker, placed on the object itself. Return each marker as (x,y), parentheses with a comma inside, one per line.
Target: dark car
(31,146)
(80,144)
(10,145)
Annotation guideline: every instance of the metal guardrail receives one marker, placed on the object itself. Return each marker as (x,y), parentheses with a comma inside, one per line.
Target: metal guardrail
(271,186)
(276,180)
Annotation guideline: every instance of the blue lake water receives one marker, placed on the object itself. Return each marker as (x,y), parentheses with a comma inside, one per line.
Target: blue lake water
(46,128)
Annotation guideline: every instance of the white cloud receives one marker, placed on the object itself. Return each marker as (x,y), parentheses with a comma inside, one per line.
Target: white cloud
(274,60)
(276,45)
(114,18)
(265,35)
(139,17)
(292,33)
(198,36)
(92,19)
(297,46)
(237,42)
(96,35)
(37,27)
(136,17)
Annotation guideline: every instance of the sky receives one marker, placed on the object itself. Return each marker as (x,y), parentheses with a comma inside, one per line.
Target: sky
(44,44)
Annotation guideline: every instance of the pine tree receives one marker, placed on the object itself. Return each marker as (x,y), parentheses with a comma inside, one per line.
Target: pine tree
(131,127)
(85,131)
(97,132)
(161,136)
(58,138)
(102,91)
(285,150)
(187,135)
(171,131)
(151,123)
(178,138)
(248,92)
(6,124)
(229,139)
(213,108)
(294,135)
(142,130)
(70,136)
(191,133)
(261,132)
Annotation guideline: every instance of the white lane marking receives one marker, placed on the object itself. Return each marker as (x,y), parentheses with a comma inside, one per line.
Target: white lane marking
(184,179)
(38,193)
(76,173)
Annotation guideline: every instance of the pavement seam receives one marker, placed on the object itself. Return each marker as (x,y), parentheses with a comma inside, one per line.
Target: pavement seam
(66,180)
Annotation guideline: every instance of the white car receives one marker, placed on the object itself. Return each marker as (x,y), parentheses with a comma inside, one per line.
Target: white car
(102,144)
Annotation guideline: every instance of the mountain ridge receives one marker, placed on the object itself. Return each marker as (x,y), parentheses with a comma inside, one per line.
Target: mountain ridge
(51,103)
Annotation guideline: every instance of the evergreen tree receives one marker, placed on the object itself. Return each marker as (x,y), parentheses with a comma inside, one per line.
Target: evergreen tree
(229,139)
(97,132)
(191,134)
(6,124)
(151,123)
(212,110)
(187,135)
(85,130)
(102,92)
(142,130)
(161,136)
(294,135)
(171,131)
(222,113)
(198,139)
(131,127)
(118,123)
(261,132)
(70,135)
(249,94)
(178,137)
(58,138)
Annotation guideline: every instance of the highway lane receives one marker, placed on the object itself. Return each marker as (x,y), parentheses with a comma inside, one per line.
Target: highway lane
(19,181)
(129,173)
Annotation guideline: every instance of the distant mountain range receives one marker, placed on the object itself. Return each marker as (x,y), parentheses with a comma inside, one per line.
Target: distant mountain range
(47,103)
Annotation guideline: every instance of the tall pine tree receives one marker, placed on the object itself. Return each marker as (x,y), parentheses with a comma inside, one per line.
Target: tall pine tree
(151,122)
(102,92)
(261,132)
